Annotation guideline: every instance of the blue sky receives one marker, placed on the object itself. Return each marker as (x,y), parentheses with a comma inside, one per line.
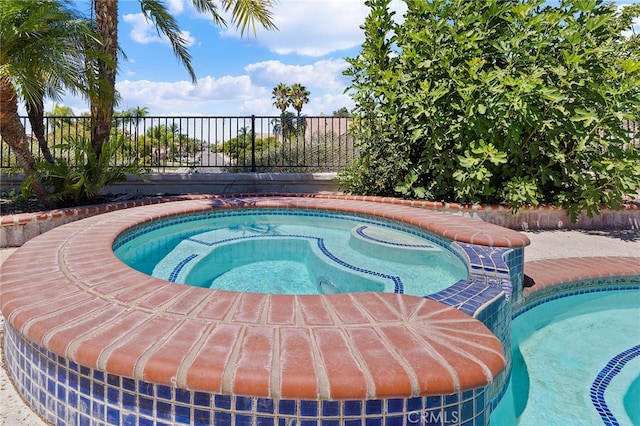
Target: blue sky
(237,74)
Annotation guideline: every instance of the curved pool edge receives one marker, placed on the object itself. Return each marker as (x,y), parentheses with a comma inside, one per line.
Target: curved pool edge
(77,266)
(550,279)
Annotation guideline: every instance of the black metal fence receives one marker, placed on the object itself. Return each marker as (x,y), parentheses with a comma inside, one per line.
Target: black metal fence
(215,144)
(208,144)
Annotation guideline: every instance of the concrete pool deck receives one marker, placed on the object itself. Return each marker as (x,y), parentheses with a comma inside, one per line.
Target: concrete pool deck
(545,245)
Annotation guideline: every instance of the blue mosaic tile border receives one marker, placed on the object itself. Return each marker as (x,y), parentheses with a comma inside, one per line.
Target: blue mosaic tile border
(66,393)
(594,285)
(603,380)
(156,224)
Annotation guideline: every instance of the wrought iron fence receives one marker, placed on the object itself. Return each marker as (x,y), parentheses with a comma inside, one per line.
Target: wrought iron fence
(209,144)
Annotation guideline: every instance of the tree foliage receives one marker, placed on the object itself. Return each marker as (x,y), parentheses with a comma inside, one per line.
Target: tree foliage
(492,101)
(240,146)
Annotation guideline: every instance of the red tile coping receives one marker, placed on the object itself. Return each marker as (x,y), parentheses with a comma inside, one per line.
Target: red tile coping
(542,274)
(67,292)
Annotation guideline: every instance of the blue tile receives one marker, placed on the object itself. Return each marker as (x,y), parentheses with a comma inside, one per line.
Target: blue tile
(265,405)
(129,401)
(163,410)
(450,399)
(373,406)
(330,408)
(183,414)
(222,401)
(98,391)
(352,408)
(84,420)
(202,399)
(113,396)
(396,421)
(129,420)
(113,380)
(145,405)
(145,422)
(163,392)
(145,388)
(128,384)
(287,406)
(201,417)
(434,401)
(183,395)
(113,416)
(395,405)
(72,398)
(85,405)
(98,375)
(222,419)
(265,421)
(98,410)
(244,403)
(309,408)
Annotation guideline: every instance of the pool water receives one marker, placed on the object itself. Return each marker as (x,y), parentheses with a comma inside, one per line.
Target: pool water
(559,349)
(293,252)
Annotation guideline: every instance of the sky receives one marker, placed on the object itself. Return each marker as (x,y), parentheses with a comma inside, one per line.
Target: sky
(236,74)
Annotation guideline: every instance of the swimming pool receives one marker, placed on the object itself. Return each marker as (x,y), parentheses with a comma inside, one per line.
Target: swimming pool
(292,252)
(575,360)
(89,339)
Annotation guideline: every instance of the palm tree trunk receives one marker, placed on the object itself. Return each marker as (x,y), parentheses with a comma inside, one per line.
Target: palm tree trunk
(14,134)
(35,111)
(102,105)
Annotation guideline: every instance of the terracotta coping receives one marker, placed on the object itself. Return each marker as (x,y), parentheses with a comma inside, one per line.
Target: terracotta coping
(67,292)
(542,274)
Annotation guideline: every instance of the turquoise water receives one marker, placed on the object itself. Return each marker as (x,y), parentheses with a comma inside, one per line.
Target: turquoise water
(294,252)
(559,347)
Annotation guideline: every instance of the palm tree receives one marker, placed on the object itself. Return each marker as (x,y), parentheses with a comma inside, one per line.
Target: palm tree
(244,14)
(280,96)
(298,96)
(42,53)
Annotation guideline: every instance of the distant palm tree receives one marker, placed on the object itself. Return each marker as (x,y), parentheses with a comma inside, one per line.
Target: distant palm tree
(298,96)
(280,96)
(42,52)
(244,14)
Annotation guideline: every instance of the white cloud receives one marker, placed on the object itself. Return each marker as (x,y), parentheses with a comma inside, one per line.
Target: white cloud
(211,96)
(175,7)
(323,75)
(143,31)
(312,27)
(239,95)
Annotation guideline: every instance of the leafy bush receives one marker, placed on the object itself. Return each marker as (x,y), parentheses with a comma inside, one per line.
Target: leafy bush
(492,101)
(79,179)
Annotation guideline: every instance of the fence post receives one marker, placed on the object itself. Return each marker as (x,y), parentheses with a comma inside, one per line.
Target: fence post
(253,143)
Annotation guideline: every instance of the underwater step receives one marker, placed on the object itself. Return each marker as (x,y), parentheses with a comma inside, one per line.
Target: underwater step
(383,244)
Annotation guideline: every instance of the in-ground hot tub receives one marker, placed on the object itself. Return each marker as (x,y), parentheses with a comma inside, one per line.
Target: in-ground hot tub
(91,340)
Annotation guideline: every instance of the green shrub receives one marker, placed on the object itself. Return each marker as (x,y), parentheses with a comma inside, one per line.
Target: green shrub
(493,101)
(79,179)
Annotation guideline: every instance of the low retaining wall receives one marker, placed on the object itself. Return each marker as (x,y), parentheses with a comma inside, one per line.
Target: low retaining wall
(16,229)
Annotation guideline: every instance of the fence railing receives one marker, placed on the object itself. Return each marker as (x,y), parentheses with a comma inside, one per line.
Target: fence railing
(208,144)
(216,144)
